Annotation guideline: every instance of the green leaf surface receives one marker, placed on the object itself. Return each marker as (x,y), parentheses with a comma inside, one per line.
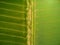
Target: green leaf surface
(47,22)
(13,23)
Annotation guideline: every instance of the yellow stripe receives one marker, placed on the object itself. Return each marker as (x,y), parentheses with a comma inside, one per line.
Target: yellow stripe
(12,17)
(6,41)
(12,35)
(12,4)
(12,10)
(13,30)
(13,23)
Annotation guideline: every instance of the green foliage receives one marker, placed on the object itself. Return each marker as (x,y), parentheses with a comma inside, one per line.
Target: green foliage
(13,27)
(47,22)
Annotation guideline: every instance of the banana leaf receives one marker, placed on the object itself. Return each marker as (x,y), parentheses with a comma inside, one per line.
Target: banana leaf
(13,23)
(47,22)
